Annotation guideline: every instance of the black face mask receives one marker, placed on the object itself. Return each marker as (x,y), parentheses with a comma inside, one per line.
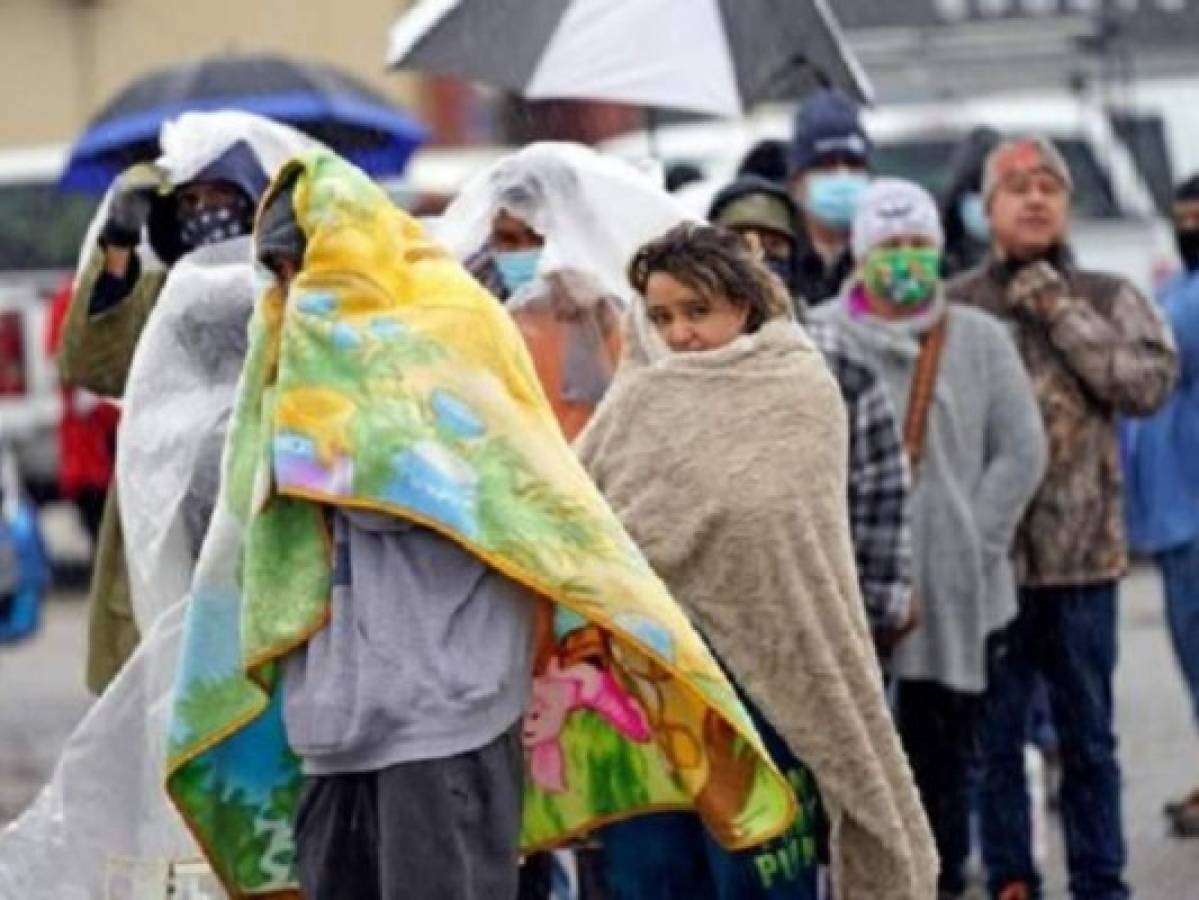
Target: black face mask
(1188,248)
(214,224)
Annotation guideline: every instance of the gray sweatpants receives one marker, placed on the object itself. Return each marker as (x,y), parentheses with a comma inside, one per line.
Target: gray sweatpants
(442,829)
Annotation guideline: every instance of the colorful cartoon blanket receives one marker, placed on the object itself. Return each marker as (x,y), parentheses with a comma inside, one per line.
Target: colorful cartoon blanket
(389,380)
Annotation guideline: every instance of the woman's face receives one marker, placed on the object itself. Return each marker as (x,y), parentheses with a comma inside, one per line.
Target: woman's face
(687,319)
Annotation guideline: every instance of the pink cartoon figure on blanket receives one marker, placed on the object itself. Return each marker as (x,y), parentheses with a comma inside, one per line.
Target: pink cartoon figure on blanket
(558,692)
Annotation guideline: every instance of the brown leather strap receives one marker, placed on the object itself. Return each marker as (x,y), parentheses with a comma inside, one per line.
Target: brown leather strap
(920,394)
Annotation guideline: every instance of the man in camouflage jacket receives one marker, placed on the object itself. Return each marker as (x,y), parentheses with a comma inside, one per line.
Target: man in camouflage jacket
(1095,349)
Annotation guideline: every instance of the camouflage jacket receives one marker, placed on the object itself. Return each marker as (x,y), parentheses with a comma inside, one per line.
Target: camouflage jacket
(1095,348)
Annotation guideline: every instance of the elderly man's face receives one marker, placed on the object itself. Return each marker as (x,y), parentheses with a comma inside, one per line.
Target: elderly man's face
(1029,213)
(510,234)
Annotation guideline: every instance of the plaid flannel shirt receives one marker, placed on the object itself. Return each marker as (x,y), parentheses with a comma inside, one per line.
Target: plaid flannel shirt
(879,483)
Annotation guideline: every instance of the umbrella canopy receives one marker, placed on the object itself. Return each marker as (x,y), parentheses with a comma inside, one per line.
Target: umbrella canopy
(708,56)
(330,105)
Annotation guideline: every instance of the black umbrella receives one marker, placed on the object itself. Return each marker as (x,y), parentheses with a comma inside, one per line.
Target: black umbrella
(707,56)
(330,105)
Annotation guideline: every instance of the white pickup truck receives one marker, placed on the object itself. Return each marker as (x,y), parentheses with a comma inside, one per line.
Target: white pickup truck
(1116,227)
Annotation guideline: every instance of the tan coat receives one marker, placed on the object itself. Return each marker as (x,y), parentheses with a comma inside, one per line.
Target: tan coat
(728,468)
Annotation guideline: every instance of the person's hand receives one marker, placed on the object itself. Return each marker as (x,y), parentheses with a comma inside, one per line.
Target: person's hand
(887,639)
(129,208)
(1038,290)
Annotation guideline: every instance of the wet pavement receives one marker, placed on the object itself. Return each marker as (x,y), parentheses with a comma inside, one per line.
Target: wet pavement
(42,697)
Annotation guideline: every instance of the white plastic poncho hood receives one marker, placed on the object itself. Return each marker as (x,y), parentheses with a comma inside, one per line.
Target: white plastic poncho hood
(593,211)
(104,817)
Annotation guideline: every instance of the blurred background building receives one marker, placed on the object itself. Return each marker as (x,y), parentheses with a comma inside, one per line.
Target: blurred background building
(60,60)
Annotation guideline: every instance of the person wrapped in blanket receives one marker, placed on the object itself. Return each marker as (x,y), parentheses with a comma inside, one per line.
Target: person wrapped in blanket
(548,231)
(722,446)
(345,705)
(880,485)
(195,201)
(405,708)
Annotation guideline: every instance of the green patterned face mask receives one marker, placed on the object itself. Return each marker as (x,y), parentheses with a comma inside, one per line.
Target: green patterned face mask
(906,276)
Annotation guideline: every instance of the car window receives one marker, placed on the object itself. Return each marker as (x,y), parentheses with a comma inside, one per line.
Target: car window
(1145,137)
(42,227)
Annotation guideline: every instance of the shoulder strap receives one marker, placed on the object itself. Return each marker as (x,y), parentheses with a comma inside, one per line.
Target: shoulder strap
(920,394)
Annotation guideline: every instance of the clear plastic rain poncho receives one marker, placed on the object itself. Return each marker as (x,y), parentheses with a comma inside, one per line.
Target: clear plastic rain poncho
(104,825)
(593,213)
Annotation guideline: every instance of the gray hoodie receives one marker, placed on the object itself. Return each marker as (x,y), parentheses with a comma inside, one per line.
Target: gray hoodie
(428,652)
(984,456)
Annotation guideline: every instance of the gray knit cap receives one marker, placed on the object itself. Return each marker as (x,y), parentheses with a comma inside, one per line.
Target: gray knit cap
(1025,154)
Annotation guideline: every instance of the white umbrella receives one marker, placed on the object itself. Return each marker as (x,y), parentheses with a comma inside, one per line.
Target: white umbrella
(717,57)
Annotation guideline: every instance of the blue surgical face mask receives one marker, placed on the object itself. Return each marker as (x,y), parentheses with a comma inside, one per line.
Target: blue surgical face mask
(832,197)
(974,217)
(517,268)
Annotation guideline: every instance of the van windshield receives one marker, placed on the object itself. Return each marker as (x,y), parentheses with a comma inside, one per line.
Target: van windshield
(42,227)
(927,160)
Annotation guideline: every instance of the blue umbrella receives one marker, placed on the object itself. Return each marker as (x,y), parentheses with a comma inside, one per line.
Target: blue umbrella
(333,107)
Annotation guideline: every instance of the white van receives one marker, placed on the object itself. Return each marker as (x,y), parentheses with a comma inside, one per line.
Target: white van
(1116,226)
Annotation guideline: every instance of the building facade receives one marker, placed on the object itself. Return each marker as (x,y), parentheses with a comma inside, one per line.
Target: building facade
(62,60)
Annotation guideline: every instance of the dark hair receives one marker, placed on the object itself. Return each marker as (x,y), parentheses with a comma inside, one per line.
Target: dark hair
(1188,190)
(766,159)
(965,176)
(680,174)
(712,260)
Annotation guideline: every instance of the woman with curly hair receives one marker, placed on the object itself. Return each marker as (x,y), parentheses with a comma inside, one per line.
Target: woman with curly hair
(722,446)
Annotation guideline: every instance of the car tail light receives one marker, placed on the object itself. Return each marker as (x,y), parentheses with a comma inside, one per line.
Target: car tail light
(12,355)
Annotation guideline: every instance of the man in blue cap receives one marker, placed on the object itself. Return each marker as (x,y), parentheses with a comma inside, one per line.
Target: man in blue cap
(829,169)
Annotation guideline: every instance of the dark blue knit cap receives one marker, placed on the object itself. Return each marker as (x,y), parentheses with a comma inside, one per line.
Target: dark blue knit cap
(238,165)
(827,124)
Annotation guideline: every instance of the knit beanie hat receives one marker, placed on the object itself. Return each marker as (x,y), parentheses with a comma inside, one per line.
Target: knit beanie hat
(1024,155)
(891,207)
(827,123)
